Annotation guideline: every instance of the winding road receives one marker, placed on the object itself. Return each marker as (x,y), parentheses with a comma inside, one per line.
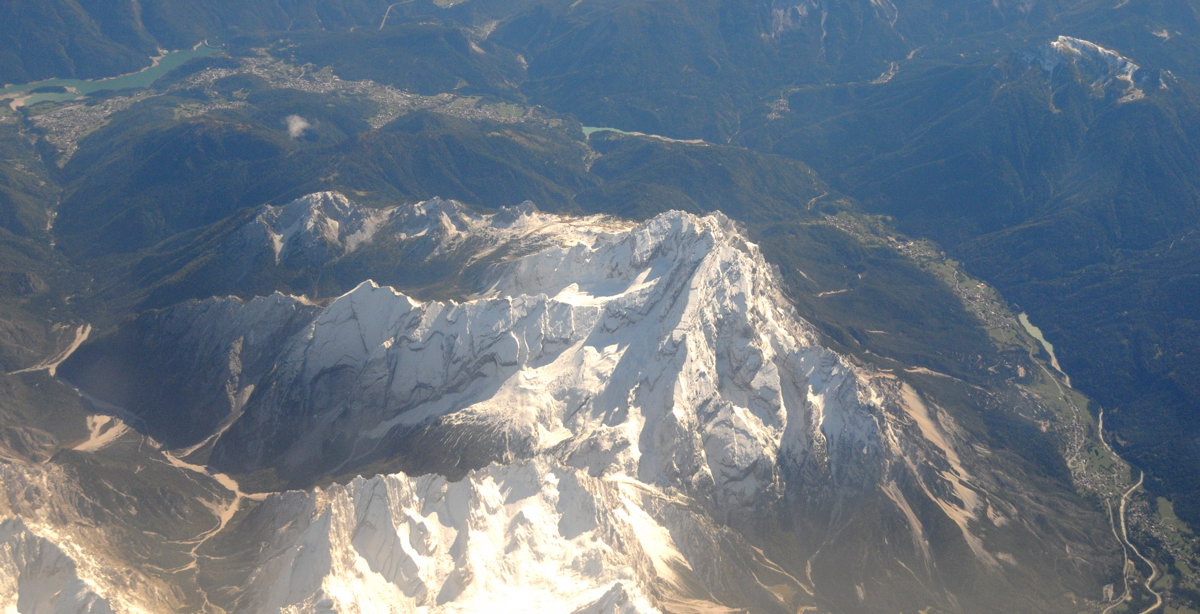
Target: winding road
(388,12)
(1158,600)
(1128,545)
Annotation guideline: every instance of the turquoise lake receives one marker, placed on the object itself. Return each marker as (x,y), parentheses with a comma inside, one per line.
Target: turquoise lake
(81,87)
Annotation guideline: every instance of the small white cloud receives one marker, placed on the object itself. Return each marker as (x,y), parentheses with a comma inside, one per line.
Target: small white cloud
(296,126)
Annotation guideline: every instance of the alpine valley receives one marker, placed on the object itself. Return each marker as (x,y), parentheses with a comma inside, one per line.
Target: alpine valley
(599,306)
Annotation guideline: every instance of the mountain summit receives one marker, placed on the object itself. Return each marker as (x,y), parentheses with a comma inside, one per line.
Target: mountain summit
(633,405)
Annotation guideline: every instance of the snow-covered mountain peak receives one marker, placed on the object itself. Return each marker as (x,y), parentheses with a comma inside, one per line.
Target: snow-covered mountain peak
(592,264)
(527,537)
(608,416)
(1079,50)
(662,350)
(50,580)
(326,226)
(1106,72)
(326,220)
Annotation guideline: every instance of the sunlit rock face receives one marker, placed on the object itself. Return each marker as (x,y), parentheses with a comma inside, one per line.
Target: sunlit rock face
(1105,72)
(610,416)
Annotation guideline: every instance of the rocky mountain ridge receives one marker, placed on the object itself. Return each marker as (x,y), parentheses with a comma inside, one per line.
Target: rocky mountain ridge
(657,358)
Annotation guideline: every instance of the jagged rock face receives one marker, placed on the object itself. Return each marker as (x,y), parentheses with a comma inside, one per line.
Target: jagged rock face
(323,245)
(1107,74)
(184,396)
(910,21)
(316,227)
(86,539)
(650,352)
(46,579)
(633,407)
(544,537)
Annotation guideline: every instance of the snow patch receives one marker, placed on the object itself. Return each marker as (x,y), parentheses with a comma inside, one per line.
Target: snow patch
(1106,71)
